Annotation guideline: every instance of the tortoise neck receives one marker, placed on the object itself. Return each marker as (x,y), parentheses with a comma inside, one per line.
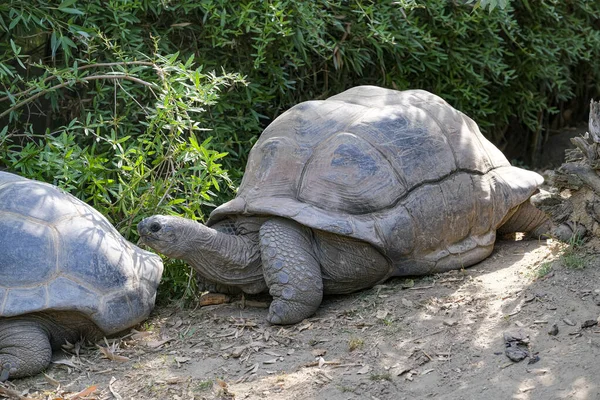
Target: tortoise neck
(227,259)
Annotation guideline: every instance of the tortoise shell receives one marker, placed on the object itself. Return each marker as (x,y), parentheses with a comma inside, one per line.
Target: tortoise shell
(402,170)
(59,254)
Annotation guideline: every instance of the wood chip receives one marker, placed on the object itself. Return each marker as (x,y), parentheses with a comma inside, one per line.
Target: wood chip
(318,352)
(237,351)
(526,389)
(211,299)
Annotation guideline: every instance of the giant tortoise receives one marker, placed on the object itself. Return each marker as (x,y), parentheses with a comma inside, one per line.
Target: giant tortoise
(65,273)
(342,194)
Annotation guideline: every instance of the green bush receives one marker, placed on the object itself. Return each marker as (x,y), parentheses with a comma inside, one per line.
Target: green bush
(142,107)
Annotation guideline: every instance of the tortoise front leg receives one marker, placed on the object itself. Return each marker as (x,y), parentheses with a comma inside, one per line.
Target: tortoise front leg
(291,271)
(25,348)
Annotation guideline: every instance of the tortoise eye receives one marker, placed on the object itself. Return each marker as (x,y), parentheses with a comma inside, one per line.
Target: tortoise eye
(154,227)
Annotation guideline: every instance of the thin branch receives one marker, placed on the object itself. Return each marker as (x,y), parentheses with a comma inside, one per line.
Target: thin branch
(64,84)
(84,67)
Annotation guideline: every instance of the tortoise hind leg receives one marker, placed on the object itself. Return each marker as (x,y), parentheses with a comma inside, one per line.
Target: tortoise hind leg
(528,219)
(291,271)
(24,348)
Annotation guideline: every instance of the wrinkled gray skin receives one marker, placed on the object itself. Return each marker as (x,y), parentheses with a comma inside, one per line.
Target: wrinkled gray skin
(65,274)
(345,193)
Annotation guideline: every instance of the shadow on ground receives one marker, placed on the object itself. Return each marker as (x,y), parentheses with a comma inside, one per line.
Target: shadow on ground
(433,337)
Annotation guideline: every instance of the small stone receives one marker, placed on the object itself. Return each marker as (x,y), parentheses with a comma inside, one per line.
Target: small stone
(533,359)
(450,322)
(516,343)
(407,303)
(589,323)
(553,330)
(568,322)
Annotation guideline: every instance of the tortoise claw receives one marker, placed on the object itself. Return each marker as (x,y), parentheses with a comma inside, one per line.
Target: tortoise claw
(4,371)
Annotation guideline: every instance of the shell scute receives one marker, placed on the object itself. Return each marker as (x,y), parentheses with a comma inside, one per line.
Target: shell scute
(59,254)
(403,171)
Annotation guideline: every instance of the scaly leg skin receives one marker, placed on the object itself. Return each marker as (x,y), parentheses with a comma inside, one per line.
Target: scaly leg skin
(291,271)
(24,348)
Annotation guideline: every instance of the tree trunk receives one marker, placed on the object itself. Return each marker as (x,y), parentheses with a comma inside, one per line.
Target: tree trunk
(576,184)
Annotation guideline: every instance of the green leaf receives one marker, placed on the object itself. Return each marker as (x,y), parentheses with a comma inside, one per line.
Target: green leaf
(71,11)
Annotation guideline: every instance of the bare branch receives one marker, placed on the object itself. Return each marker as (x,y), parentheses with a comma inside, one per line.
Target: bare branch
(84,67)
(65,84)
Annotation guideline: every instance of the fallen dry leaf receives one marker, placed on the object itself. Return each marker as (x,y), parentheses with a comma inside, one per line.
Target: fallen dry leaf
(407,303)
(107,353)
(157,343)
(112,389)
(363,370)
(84,392)
(222,383)
(66,362)
(10,394)
(253,369)
(51,380)
(137,335)
(321,362)
(304,327)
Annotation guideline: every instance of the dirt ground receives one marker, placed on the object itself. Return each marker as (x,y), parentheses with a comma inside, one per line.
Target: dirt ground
(439,337)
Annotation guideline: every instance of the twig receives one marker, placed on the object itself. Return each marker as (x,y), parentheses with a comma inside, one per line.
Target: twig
(336,363)
(64,84)
(427,355)
(84,67)
(421,287)
(10,394)
(429,334)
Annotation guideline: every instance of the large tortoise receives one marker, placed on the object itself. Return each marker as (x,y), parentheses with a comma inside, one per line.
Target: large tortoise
(344,193)
(65,273)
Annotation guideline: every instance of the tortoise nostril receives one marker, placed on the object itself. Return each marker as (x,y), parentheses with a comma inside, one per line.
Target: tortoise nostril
(154,227)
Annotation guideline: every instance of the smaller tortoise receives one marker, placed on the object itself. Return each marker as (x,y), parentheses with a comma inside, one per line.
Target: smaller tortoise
(341,194)
(65,273)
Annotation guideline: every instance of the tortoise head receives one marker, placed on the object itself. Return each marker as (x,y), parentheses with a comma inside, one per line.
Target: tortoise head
(170,235)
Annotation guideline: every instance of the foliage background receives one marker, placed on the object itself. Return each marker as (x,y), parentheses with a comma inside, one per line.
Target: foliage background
(143,106)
